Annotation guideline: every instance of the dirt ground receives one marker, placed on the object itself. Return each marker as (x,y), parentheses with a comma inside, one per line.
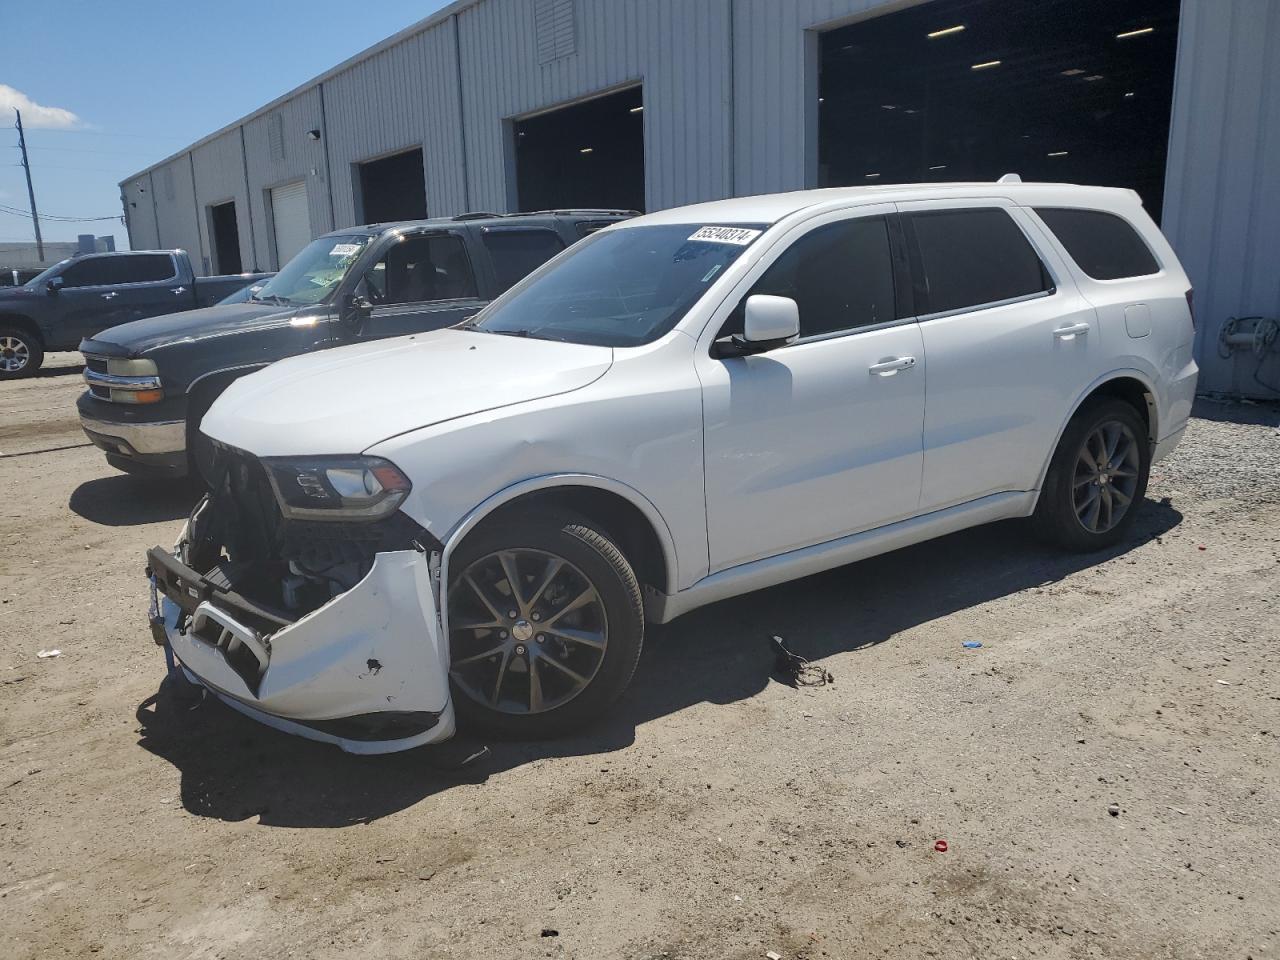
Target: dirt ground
(718,813)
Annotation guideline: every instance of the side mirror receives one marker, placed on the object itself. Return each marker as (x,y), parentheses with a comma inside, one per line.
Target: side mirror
(356,309)
(53,285)
(767,322)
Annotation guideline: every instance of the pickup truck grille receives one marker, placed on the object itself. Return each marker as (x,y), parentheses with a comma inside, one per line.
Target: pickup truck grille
(97,365)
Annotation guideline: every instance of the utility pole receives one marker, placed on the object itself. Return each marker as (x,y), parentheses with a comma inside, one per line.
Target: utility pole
(31,192)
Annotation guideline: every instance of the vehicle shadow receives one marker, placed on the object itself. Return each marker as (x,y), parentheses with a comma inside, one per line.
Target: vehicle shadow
(126,501)
(60,371)
(233,768)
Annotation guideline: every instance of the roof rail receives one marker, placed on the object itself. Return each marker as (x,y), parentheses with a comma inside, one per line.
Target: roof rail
(600,211)
(478,215)
(1010,178)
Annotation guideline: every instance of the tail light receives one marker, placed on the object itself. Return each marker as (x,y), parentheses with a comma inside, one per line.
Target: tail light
(1191,307)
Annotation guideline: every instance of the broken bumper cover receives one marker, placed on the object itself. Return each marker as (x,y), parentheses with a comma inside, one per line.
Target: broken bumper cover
(365,671)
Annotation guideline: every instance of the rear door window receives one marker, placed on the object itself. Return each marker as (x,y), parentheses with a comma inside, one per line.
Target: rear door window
(104,271)
(517,253)
(1103,245)
(840,276)
(972,257)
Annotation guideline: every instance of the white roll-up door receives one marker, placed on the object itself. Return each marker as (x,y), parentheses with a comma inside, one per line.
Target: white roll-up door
(291,218)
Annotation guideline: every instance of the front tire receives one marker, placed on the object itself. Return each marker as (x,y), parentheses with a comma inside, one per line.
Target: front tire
(21,354)
(1097,478)
(546,625)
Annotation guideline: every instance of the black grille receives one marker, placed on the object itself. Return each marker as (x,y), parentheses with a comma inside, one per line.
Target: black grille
(96,364)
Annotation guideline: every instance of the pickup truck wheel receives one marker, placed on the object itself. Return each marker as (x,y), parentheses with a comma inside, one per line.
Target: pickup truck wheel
(20,353)
(1097,478)
(545,626)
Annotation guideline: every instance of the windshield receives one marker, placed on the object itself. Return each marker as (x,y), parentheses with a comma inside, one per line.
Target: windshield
(620,288)
(315,272)
(40,278)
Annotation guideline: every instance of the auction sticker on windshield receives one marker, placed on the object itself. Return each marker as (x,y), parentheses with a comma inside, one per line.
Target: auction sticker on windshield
(741,236)
(344,249)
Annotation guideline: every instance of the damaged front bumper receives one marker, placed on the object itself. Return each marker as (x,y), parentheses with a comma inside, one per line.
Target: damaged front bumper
(366,671)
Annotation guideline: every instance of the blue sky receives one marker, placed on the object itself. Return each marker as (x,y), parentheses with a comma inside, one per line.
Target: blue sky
(142,79)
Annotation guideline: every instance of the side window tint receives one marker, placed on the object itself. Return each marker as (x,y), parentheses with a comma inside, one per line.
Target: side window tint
(422,268)
(517,253)
(100,271)
(1103,245)
(840,276)
(973,257)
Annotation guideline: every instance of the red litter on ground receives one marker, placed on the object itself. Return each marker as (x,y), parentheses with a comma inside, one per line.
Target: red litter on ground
(940,846)
(1202,547)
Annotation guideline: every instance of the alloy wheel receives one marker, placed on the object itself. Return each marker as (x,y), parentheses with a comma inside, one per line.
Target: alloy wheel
(527,631)
(1105,480)
(14,354)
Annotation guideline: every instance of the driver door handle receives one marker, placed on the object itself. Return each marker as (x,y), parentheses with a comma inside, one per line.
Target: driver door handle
(887,368)
(1066,333)
(177,290)
(110,296)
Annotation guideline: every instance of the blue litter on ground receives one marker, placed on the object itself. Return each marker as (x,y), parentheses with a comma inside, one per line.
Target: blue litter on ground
(973,644)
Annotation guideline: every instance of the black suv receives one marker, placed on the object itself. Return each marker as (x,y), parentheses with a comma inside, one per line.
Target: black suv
(150,382)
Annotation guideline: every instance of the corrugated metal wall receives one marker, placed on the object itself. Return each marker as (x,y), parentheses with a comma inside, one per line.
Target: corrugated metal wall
(219,166)
(278,151)
(730,108)
(1222,197)
(176,209)
(677,48)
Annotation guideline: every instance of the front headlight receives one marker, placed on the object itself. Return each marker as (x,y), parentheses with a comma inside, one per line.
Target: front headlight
(120,367)
(336,488)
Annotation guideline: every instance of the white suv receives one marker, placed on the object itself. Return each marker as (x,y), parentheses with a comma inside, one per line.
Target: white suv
(683,407)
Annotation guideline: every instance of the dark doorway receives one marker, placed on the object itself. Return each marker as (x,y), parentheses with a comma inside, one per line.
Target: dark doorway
(393,188)
(226,238)
(585,156)
(1060,90)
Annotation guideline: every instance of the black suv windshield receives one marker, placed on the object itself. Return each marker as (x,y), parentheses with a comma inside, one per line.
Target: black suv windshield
(315,272)
(620,288)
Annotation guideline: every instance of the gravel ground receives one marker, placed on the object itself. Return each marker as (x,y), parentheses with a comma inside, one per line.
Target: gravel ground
(1103,769)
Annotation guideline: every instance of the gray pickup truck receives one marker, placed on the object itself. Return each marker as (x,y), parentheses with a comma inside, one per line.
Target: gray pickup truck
(85,295)
(151,382)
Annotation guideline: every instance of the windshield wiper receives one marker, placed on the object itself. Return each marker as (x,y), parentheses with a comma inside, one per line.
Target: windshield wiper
(467,323)
(272,299)
(511,333)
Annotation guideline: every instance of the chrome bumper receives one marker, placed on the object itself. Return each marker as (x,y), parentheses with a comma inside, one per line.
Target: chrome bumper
(166,436)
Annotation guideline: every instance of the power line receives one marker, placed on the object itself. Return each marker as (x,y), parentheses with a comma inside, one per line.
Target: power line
(14,211)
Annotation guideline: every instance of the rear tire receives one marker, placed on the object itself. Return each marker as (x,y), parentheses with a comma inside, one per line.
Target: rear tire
(1097,478)
(546,625)
(21,353)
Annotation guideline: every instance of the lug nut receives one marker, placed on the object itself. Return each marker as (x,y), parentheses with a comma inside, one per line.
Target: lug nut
(541,638)
(537,616)
(502,634)
(512,614)
(520,650)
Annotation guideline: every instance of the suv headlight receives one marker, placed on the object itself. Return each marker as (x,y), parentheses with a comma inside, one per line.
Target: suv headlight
(336,488)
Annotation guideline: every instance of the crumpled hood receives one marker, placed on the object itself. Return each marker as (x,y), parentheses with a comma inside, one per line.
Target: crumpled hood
(142,335)
(346,399)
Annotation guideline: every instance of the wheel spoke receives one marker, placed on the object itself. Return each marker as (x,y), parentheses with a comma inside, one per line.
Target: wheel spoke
(577,677)
(480,656)
(588,638)
(1122,499)
(535,686)
(502,674)
(1107,509)
(581,600)
(554,566)
(1092,508)
(509,570)
(475,587)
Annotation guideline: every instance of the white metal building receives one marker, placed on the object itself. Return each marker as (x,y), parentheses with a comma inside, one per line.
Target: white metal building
(502,105)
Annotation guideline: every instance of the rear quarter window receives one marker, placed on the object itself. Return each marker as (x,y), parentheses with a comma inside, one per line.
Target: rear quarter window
(1103,245)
